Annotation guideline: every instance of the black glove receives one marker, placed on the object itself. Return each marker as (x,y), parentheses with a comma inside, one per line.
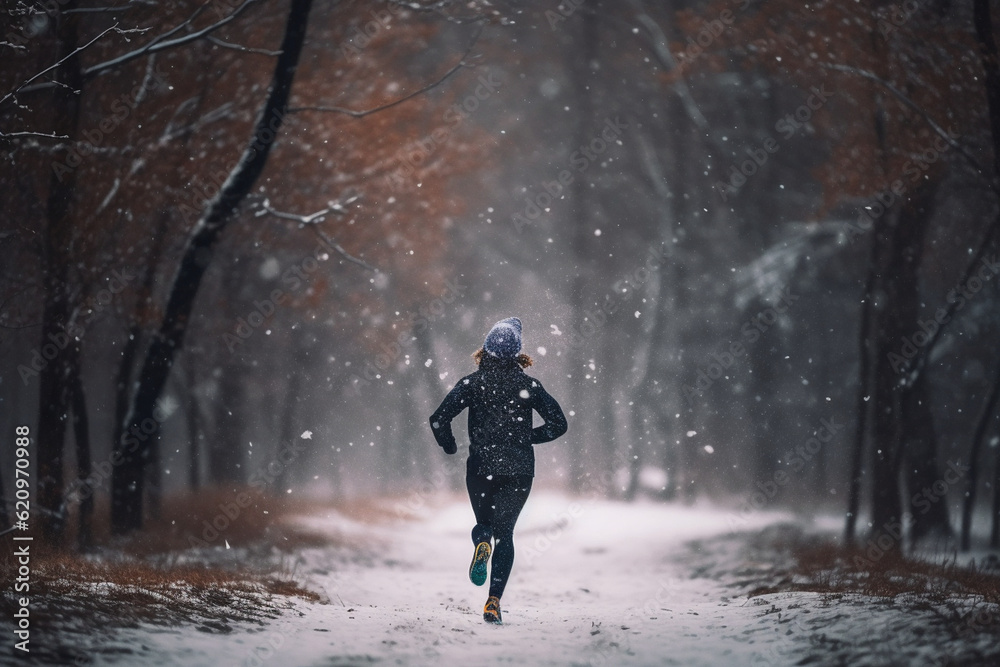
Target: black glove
(450,448)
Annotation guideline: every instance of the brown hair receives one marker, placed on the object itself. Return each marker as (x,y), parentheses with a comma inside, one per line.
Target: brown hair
(522,359)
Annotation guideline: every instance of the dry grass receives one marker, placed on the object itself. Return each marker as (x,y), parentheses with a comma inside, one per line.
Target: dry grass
(154,576)
(64,585)
(851,570)
(75,600)
(826,566)
(966,599)
(182,523)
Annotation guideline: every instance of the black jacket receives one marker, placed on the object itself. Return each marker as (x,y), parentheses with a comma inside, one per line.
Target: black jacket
(500,398)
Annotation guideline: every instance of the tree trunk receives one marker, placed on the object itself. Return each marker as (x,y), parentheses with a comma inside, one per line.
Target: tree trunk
(194,451)
(991,68)
(81,433)
(4,515)
(917,433)
(864,396)
(154,479)
(582,78)
(887,332)
(63,366)
(659,401)
(995,527)
(636,456)
(286,431)
(127,483)
(225,447)
(408,462)
(982,429)
(192,415)
(765,411)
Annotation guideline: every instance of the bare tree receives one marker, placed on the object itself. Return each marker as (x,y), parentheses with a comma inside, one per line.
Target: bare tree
(127,482)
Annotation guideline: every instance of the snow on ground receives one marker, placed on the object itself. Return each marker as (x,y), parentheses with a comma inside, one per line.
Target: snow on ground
(595,583)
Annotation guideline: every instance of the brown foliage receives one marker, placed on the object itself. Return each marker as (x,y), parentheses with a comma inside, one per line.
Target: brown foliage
(930,61)
(150,160)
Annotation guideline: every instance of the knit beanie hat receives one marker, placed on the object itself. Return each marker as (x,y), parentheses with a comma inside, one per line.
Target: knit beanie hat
(504,339)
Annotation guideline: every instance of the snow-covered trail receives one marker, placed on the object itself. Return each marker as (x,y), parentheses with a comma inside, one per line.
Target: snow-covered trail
(594,583)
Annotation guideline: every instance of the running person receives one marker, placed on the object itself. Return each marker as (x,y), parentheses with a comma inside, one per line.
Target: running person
(501,463)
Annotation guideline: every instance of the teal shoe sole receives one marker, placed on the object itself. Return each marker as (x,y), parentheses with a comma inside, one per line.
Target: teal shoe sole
(477,571)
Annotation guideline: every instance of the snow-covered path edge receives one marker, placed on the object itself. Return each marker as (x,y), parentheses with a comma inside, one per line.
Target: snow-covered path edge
(595,583)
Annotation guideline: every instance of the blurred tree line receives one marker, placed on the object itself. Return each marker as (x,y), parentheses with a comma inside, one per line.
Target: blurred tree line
(753,245)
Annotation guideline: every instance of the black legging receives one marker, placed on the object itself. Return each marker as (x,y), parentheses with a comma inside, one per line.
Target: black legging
(497,502)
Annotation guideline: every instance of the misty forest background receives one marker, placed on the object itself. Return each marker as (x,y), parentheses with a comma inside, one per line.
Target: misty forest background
(252,244)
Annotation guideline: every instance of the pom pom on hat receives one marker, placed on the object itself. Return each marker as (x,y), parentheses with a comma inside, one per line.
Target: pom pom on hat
(504,339)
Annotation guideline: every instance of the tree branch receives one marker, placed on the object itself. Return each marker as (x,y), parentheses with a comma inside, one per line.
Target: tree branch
(39,135)
(313,220)
(156,44)
(360,114)
(239,47)
(102,10)
(928,348)
(669,63)
(13,93)
(926,116)
(991,69)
